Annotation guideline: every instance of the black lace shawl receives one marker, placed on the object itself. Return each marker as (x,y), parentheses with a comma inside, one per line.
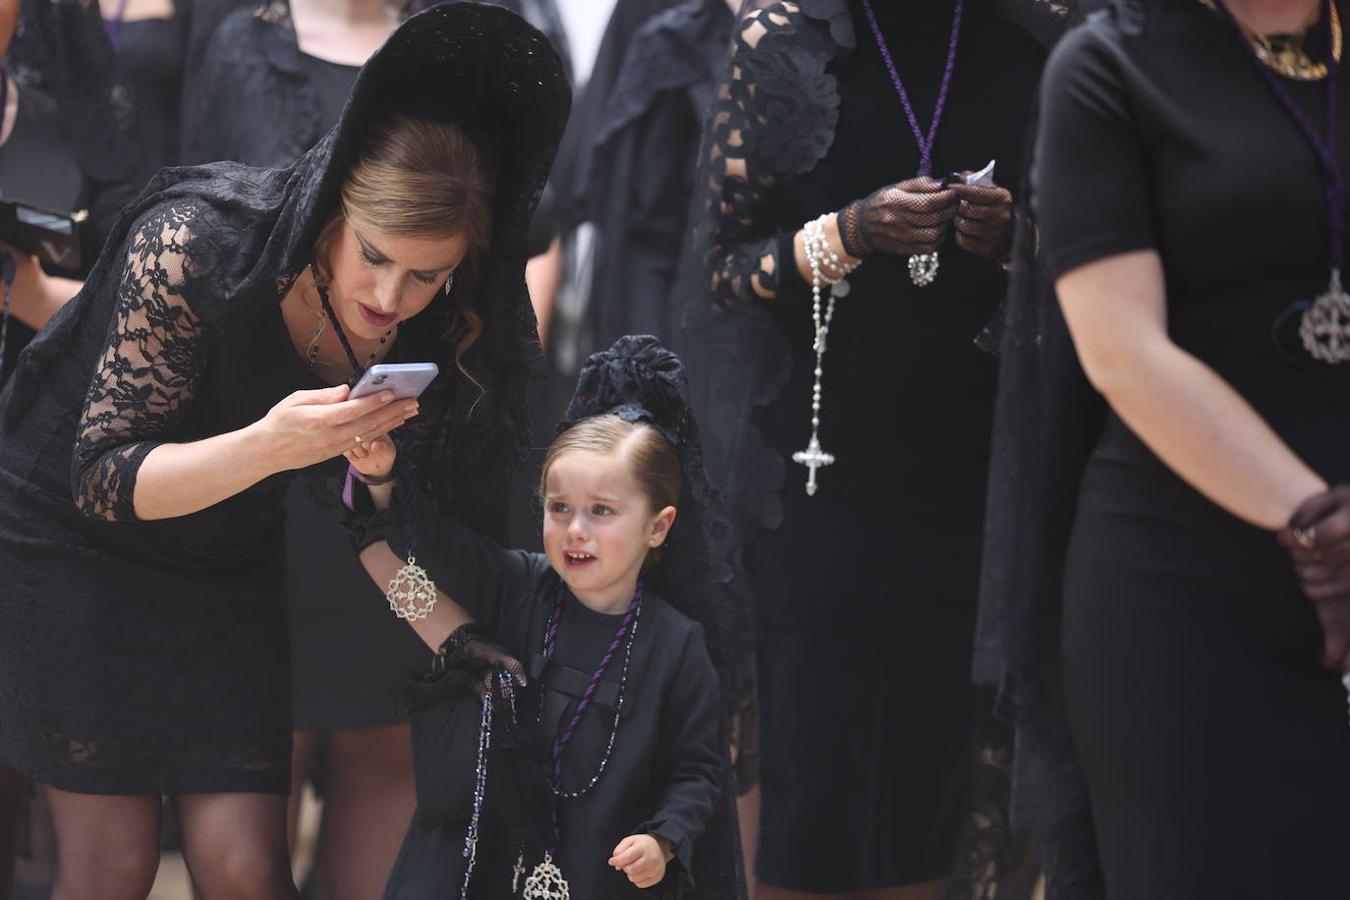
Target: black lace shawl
(630,155)
(216,247)
(1047,420)
(637,379)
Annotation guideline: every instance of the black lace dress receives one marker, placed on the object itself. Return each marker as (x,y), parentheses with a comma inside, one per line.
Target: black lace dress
(867,590)
(148,657)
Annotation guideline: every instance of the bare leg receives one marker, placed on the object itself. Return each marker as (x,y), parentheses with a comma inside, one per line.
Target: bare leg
(747,810)
(108,846)
(368,803)
(304,744)
(235,846)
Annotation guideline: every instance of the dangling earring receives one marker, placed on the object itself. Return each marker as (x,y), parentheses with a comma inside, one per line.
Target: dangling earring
(449,283)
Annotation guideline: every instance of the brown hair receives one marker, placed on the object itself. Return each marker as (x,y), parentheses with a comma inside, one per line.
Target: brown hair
(422,177)
(653,460)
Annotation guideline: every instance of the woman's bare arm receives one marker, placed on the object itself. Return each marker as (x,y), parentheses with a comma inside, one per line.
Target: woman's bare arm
(1116,309)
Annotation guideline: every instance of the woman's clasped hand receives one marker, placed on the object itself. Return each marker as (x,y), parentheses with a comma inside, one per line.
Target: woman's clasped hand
(915,216)
(1318,539)
(309,427)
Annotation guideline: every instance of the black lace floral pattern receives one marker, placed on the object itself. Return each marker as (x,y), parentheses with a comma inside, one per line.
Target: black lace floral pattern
(150,368)
(773,118)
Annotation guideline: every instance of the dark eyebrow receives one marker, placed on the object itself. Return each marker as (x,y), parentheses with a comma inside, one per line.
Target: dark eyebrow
(372,250)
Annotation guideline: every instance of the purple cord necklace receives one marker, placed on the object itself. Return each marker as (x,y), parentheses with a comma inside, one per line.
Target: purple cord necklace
(547,881)
(923,267)
(1325,328)
(411,592)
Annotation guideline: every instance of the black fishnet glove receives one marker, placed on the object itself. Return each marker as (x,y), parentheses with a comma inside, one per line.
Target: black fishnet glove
(469,649)
(984,220)
(1318,540)
(901,219)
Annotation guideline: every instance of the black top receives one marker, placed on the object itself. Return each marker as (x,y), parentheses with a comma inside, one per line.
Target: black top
(253,76)
(1149,136)
(663,777)
(331,81)
(906,392)
(39,167)
(150,55)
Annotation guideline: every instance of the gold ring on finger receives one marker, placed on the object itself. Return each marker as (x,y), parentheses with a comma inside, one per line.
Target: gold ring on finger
(359,440)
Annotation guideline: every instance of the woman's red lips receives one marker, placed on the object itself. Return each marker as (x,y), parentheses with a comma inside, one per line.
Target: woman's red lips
(374,316)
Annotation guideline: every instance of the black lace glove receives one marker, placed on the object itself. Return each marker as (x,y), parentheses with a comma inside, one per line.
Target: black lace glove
(1318,540)
(984,220)
(902,219)
(469,650)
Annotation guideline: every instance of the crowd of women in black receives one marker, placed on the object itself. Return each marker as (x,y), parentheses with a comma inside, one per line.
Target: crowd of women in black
(1011,548)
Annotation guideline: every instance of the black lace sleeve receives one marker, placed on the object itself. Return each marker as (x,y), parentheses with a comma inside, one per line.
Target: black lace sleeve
(773,118)
(149,370)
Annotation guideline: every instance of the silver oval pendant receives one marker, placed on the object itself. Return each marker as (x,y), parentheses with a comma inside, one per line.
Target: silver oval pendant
(923,269)
(546,882)
(1325,329)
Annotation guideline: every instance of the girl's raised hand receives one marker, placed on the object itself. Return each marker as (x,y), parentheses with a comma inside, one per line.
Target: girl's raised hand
(374,458)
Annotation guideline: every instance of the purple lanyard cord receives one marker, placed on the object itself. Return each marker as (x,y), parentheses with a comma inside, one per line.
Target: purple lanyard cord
(925,142)
(1324,147)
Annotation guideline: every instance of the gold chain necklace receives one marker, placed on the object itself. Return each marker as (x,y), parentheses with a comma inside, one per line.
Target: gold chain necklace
(1284,55)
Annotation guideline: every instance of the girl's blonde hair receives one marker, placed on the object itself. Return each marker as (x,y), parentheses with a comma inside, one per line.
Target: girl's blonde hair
(653,460)
(424,178)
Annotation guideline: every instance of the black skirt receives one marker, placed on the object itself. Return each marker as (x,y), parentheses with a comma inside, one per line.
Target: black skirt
(865,630)
(1217,747)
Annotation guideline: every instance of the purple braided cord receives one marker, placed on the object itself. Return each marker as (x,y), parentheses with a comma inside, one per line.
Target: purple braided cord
(561,741)
(925,142)
(401,461)
(1324,147)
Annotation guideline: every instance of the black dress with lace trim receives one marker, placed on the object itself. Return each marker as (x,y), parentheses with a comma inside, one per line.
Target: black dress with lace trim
(867,591)
(144,657)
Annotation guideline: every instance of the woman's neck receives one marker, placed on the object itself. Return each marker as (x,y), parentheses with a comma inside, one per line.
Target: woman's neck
(1276,16)
(355,13)
(345,32)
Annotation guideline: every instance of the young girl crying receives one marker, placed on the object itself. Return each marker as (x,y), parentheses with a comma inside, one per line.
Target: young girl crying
(610,748)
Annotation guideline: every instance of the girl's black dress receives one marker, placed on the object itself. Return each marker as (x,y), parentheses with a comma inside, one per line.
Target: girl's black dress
(867,590)
(1216,748)
(663,777)
(151,657)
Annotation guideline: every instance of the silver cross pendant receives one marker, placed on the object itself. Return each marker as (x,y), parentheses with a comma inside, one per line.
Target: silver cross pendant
(813,458)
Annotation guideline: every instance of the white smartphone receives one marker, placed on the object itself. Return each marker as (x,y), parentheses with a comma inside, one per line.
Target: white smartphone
(406,380)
